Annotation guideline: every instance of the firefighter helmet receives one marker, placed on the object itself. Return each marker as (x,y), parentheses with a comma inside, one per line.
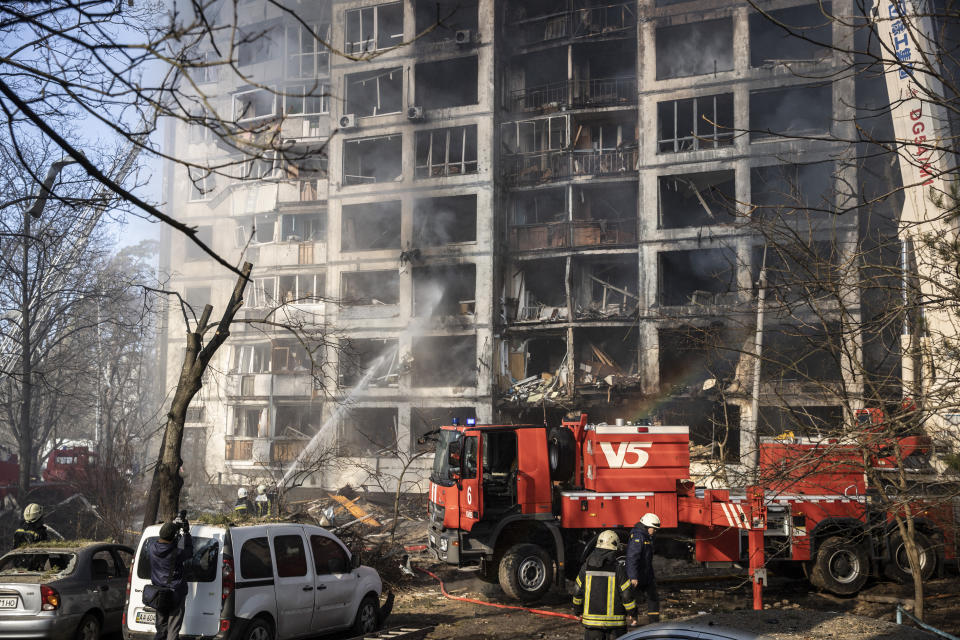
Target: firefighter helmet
(608,540)
(241,493)
(261,489)
(650,520)
(33,512)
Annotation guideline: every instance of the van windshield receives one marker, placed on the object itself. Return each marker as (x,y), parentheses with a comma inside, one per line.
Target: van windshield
(201,567)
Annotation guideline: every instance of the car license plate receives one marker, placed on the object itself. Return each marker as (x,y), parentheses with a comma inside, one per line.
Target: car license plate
(8,603)
(146,617)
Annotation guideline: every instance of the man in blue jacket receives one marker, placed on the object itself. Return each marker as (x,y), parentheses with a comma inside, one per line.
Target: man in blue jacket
(640,563)
(166,570)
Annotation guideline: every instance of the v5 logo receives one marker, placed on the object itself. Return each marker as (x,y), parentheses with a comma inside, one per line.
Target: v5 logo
(617,459)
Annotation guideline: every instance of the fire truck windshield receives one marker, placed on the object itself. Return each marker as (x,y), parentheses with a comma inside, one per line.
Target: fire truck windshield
(441,460)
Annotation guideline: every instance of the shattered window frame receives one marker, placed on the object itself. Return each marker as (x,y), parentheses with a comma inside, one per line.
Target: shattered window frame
(303,227)
(707,133)
(380,77)
(444,142)
(356,146)
(307,57)
(364,29)
(242,106)
(298,102)
(257,43)
(350,288)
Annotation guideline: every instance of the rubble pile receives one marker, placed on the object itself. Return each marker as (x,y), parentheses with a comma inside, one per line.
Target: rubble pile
(602,370)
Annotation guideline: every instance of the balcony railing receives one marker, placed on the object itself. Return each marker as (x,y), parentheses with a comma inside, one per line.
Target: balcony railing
(576,94)
(286,450)
(578,233)
(579,23)
(548,166)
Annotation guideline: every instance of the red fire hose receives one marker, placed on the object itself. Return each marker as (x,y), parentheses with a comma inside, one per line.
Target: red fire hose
(539,612)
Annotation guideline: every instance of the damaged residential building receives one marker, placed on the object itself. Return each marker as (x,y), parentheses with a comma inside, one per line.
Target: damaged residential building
(513,210)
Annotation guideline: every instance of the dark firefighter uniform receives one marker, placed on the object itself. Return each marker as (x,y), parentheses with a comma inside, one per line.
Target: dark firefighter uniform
(603,597)
(29,533)
(243,509)
(640,568)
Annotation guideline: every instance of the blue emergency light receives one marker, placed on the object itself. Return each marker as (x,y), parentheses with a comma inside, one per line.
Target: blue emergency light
(471,422)
(455,422)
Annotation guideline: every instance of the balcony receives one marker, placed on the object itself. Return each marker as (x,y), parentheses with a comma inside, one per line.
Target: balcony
(244,451)
(247,385)
(576,94)
(617,19)
(286,450)
(579,233)
(550,166)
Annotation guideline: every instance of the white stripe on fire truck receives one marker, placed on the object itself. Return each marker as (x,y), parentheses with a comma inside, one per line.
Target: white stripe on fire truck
(590,495)
(635,429)
(724,506)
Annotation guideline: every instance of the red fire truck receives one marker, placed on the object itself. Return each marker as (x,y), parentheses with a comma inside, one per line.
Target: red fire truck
(527,502)
(67,470)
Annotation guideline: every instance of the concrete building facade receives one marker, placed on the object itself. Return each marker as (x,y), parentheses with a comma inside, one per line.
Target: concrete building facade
(512,210)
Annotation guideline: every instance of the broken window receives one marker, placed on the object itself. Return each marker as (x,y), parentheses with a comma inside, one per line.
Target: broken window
(423,420)
(251,358)
(804,109)
(699,276)
(695,49)
(261,292)
(540,220)
(539,357)
(307,55)
(257,43)
(793,34)
(202,184)
(370,287)
(373,28)
(374,93)
(805,421)
(447,83)
(604,215)
(372,361)
(606,287)
(448,219)
(804,270)
(251,422)
(697,199)
(300,100)
(371,160)
(704,122)
(302,288)
(528,136)
(445,290)
(370,226)
(254,104)
(368,431)
(689,356)
(444,361)
(258,229)
(446,152)
(447,20)
(784,190)
(303,227)
(297,420)
(537,291)
(809,354)
(606,357)
(604,146)
(204,234)
(714,426)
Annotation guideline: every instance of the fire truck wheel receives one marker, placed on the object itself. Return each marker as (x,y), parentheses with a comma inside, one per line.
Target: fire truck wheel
(898,567)
(526,572)
(841,567)
(562,454)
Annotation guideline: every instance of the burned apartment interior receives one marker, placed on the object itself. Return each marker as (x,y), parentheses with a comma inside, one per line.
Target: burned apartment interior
(540,207)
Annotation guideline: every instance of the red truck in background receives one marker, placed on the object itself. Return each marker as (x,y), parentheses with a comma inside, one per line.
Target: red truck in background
(527,502)
(66,471)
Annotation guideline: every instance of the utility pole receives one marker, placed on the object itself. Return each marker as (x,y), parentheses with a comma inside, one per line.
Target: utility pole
(753,438)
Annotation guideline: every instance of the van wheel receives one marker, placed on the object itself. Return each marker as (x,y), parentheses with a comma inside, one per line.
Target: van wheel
(259,629)
(526,572)
(89,628)
(898,567)
(366,620)
(841,567)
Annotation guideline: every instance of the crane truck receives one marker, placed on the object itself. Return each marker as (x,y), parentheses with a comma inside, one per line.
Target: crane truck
(527,502)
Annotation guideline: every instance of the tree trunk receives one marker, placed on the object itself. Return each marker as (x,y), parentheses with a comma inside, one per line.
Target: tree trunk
(25,435)
(163,501)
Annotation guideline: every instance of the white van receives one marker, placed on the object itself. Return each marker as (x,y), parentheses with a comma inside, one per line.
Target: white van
(262,582)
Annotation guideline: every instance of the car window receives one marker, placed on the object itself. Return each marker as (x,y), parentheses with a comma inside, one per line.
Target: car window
(255,560)
(329,556)
(43,562)
(291,557)
(200,567)
(126,559)
(102,565)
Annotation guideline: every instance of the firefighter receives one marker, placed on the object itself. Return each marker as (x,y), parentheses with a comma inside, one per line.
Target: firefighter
(604,596)
(31,529)
(262,501)
(243,509)
(640,562)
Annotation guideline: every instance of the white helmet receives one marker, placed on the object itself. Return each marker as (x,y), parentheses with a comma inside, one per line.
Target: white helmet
(650,520)
(241,493)
(33,512)
(608,540)
(261,488)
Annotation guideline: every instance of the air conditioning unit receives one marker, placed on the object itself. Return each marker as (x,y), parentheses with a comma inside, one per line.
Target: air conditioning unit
(463,36)
(414,113)
(348,121)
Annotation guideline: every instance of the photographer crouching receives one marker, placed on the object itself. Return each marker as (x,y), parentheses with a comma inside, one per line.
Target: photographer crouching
(167,591)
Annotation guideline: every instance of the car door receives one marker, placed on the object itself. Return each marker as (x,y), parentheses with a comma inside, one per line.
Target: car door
(106,581)
(335,583)
(294,581)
